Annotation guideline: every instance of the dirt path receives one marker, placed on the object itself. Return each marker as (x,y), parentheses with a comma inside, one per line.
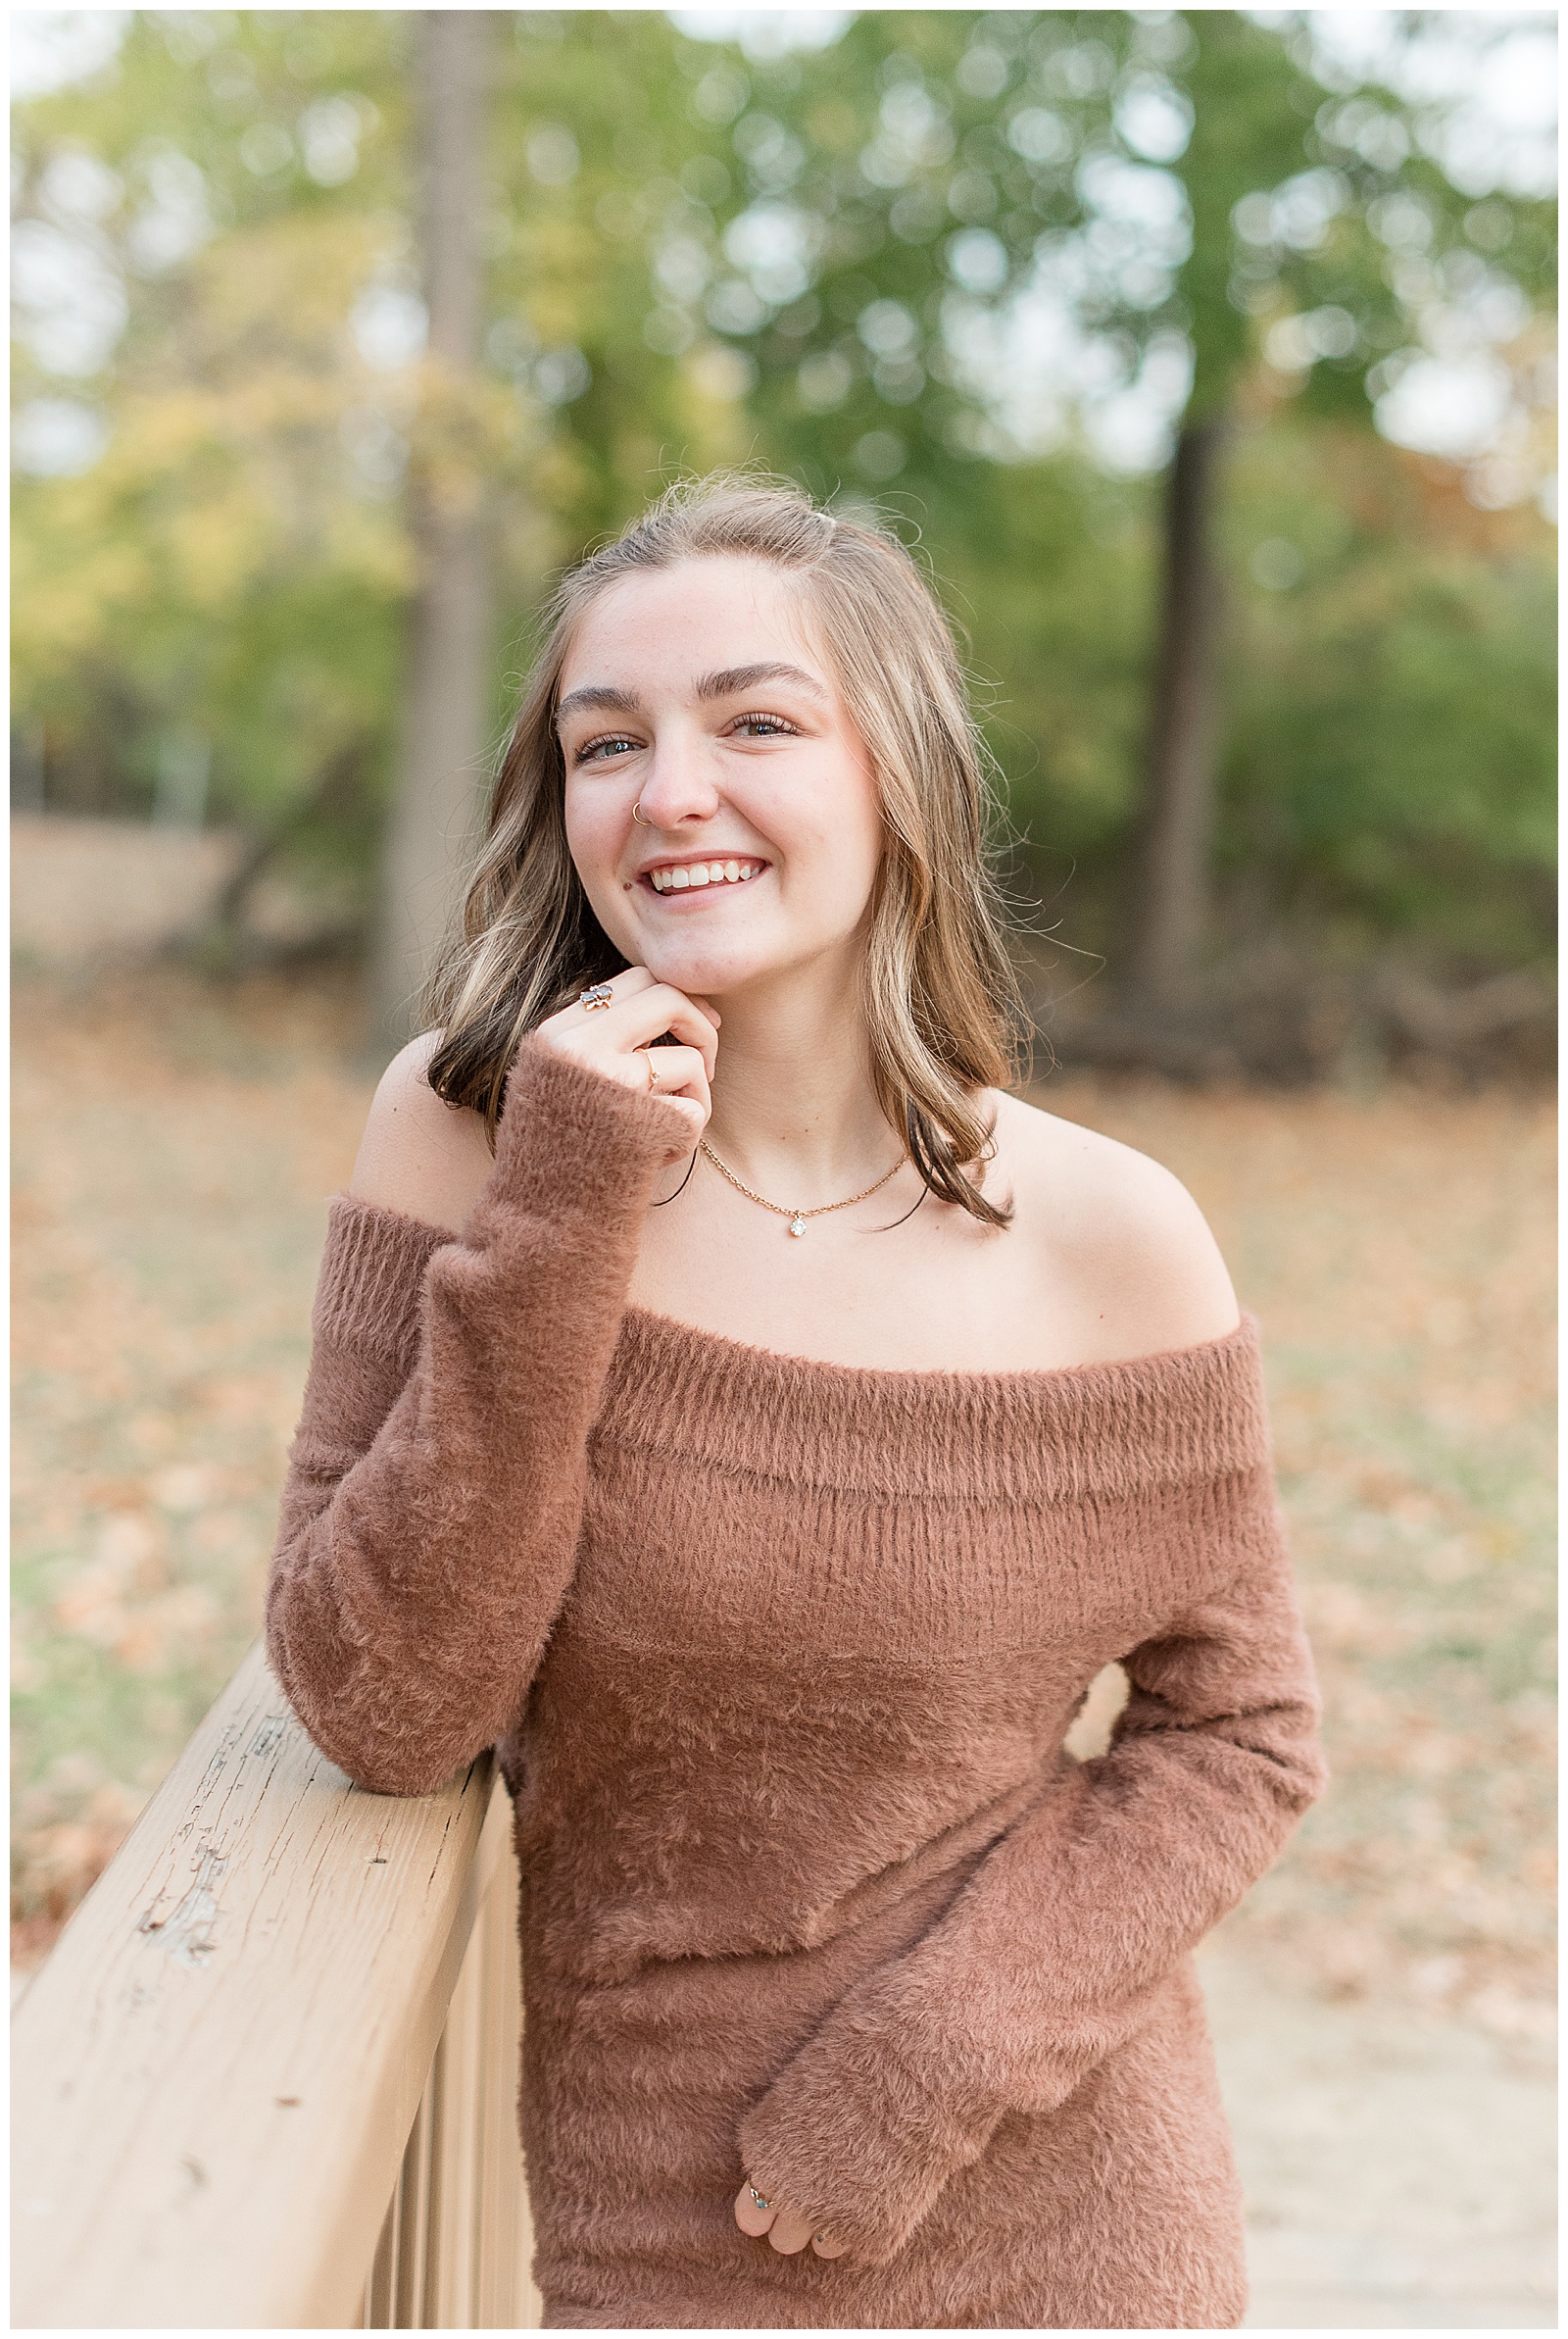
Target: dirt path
(1382,2001)
(1400,2170)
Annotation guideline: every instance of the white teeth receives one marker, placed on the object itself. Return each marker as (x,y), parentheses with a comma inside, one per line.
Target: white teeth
(703,872)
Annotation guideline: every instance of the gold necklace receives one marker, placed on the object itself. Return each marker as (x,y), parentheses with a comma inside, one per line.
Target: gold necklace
(798,1218)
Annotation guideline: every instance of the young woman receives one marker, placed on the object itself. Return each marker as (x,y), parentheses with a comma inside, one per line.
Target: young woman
(731,1401)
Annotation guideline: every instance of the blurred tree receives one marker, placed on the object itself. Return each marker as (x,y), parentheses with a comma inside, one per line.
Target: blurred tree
(434,815)
(1311,196)
(1238,85)
(978,266)
(1390,648)
(225,383)
(955,201)
(221,555)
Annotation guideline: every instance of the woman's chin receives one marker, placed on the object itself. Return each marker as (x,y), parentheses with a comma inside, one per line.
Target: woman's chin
(704,971)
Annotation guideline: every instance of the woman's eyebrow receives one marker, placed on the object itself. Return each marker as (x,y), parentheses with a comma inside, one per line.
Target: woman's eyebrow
(601,697)
(736,679)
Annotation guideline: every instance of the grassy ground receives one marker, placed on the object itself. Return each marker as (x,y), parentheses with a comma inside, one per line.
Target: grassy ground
(175,1146)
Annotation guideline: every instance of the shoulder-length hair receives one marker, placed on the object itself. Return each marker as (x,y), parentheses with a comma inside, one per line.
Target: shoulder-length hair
(941,1000)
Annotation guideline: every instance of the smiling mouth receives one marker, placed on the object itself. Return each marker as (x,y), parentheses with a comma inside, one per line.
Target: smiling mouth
(689,876)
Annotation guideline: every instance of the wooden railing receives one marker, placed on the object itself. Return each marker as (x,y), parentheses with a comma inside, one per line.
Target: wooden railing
(266,2079)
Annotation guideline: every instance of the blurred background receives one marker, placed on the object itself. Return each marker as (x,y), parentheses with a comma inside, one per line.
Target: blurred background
(1207,360)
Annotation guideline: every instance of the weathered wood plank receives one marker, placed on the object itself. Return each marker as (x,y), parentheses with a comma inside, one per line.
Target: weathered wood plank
(509,2298)
(215,2074)
(455,2245)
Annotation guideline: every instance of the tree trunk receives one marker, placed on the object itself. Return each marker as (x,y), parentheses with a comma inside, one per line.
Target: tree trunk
(434,816)
(1171,882)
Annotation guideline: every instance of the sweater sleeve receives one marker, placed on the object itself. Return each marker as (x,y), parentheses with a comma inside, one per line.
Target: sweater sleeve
(430,1521)
(1050,1955)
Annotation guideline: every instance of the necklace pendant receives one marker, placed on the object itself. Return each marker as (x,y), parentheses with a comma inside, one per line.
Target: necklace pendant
(797,1224)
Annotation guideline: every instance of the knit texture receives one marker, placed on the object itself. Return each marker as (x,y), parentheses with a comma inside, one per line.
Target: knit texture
(779,1657)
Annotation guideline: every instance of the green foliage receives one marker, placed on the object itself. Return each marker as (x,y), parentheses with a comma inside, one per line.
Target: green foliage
(1391,711)
(213,571)
(237,562)
(1048,571)
(701,256)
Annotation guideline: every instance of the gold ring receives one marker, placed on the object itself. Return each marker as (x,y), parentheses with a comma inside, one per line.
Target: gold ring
(652,1077)
(636,813)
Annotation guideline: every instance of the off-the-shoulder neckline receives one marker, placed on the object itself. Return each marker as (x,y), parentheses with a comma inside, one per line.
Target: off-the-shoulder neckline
(652,1324)
(650,1321)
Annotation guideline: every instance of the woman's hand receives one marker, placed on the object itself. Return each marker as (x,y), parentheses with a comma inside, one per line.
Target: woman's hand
(786,2232)
(615,1039)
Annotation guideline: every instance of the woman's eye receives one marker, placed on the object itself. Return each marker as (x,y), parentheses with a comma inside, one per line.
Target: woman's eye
(764,726)
(597,750)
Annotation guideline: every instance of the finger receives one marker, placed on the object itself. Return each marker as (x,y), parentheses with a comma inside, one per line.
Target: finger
(624,985)
(689,1019)
(695,1116)
(826,2247)
(633,979)
(690,1095)
(630,983)
(649,1015)
(751,2216)
(677,1072)
(789,2232)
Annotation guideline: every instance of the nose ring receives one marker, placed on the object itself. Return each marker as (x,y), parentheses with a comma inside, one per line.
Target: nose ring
(637,816)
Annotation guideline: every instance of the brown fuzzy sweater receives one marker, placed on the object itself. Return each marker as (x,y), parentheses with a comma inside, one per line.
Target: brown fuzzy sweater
(779,1656)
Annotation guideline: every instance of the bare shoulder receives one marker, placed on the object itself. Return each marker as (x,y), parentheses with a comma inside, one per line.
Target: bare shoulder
(420,1155)
(1115,1231)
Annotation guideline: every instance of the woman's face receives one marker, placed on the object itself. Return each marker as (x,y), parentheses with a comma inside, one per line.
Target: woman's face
(701,696)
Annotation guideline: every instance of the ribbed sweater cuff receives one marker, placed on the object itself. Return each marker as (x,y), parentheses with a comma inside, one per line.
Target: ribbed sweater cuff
(573,1142)
(372,1274)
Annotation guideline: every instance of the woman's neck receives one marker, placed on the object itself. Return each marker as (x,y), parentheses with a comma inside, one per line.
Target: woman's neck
(793,1100)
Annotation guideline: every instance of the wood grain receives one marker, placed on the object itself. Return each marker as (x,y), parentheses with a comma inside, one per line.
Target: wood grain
(216,2073)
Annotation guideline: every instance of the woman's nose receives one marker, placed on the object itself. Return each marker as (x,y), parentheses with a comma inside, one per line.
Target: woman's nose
(679,785)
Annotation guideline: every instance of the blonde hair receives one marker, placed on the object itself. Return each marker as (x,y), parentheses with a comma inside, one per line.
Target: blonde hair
(940,997)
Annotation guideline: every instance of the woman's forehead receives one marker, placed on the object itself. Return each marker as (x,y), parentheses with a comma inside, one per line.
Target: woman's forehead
(696,618)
